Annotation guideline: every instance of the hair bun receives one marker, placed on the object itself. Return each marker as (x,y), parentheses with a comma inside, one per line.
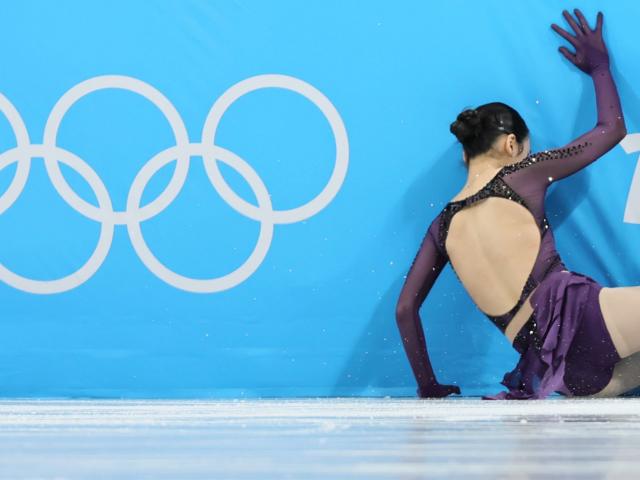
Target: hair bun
(467,125)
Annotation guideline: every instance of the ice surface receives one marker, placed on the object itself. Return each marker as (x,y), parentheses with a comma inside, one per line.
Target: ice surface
(320,438)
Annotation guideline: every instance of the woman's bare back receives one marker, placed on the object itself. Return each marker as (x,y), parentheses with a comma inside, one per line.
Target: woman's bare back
(498,239)
(492,246)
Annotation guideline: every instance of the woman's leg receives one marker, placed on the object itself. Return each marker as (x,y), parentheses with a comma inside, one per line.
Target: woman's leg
(625,377)
(621,312)
(620,308)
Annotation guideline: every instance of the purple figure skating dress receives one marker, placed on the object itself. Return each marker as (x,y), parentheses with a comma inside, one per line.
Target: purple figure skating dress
(564,346)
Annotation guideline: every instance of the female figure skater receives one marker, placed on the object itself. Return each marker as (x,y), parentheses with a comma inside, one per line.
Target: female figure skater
(570,331)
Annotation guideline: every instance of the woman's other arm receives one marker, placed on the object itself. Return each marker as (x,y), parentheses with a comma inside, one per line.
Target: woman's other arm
(424,270)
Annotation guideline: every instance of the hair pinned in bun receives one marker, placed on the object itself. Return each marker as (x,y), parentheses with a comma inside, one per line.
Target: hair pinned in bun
(477,128)
(467,125)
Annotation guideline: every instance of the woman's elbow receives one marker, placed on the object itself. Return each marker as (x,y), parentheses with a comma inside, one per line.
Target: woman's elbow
(619,129)
(404,312)
(613,130)
(623,131)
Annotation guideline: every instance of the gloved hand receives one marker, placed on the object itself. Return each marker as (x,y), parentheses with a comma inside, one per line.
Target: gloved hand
(591,52)
(437,391)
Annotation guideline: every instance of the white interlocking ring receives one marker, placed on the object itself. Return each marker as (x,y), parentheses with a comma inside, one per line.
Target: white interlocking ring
(329,111)
(106,231)
(24,161)
(208,153)
(181,153)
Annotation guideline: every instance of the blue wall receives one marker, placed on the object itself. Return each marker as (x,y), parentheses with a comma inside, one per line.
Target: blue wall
(312,312)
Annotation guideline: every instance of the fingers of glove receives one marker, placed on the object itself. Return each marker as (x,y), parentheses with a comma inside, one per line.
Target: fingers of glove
(572,22)
(568,55)
(599,23)
(564,34)
(452,389)
(583,21)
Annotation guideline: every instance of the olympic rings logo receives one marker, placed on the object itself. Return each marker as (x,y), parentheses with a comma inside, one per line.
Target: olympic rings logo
(181,153)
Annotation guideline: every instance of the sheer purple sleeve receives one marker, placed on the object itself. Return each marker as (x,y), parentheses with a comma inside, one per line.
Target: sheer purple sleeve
(592,58)
(424,270)
(550,165)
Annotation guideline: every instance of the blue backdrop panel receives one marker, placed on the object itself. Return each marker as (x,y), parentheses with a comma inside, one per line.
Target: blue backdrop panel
(222,198)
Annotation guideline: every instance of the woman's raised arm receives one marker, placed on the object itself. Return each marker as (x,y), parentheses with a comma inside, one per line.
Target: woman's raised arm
(591,57)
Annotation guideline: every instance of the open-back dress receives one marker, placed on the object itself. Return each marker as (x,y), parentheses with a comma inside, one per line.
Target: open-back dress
(563,305)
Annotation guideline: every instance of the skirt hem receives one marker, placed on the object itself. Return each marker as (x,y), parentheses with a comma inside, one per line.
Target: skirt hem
(559,305)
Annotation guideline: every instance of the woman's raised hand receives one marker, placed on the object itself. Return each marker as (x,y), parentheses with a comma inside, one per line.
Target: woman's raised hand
(591,52)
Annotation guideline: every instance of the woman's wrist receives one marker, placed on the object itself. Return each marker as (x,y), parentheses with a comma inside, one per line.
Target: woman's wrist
(601,67)
(424,390)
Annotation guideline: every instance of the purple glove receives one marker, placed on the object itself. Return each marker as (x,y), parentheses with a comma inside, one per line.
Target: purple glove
(591,53)
(437,391)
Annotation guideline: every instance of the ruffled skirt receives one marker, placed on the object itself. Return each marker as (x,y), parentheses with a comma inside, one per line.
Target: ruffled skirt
(565,346)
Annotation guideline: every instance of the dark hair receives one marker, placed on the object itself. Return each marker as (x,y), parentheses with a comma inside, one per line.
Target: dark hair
(477,129)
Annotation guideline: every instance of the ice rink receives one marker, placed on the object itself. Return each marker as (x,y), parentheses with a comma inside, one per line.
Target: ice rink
(320,438)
